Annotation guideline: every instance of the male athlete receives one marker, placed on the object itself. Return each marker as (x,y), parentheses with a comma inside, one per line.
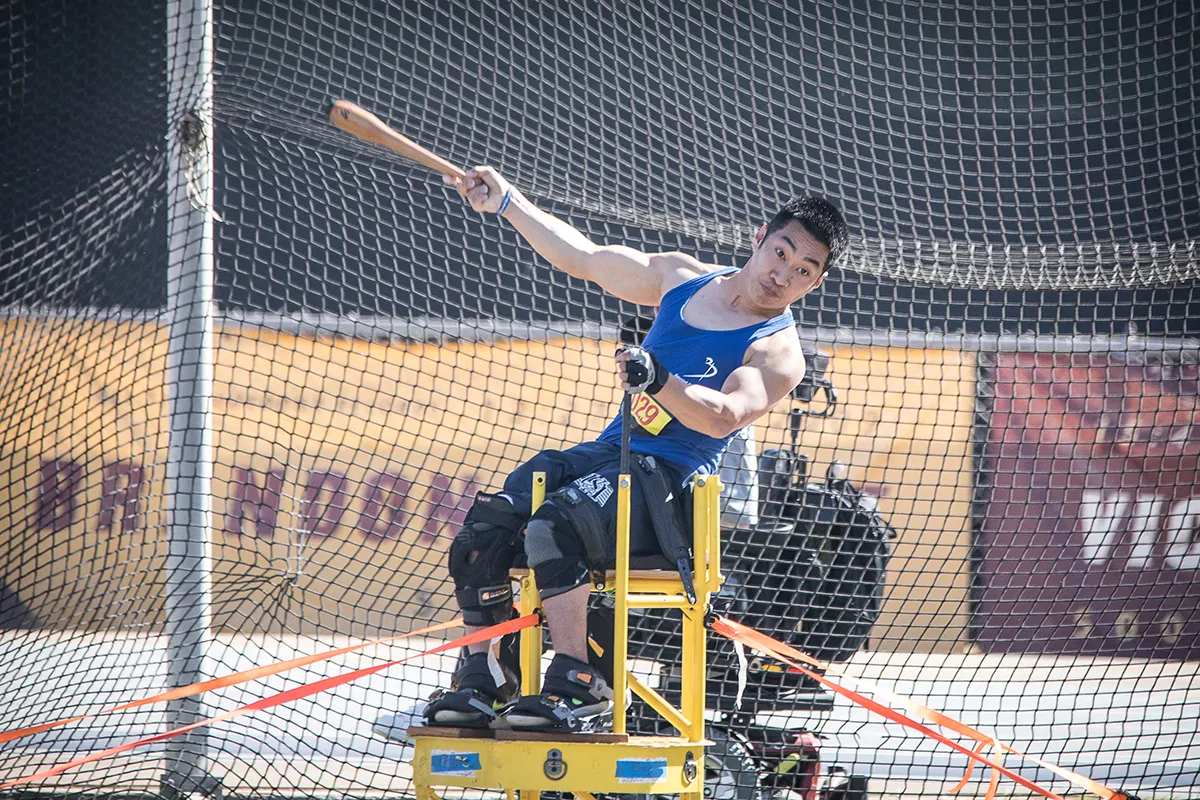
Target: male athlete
(722,351)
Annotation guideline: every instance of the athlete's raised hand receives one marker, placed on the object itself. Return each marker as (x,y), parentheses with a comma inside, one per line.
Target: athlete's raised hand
(485,189)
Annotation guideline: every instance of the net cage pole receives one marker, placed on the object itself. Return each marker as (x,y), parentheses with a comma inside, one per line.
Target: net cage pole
(189,383)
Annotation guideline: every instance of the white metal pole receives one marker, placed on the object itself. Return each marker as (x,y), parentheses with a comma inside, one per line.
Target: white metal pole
(189,383)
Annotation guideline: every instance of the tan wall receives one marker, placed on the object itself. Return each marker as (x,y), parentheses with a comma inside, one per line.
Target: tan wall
(85,395)
(367,419)
(448,420)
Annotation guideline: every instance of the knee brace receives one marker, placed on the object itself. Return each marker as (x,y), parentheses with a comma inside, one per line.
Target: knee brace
(565,543)
(480,557)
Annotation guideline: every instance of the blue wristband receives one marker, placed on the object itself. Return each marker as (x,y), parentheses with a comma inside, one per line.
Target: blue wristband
(504,203)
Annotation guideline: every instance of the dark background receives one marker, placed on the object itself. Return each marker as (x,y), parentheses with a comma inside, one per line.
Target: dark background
(1006,127)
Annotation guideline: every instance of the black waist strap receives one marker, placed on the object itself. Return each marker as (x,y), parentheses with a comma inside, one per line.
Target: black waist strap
(663,503)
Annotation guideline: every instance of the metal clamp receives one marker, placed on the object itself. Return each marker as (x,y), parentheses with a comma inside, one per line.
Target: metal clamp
(690,769)
(554,767)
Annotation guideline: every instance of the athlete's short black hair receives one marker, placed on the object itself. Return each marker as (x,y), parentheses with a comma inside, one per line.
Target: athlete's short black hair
(820,218)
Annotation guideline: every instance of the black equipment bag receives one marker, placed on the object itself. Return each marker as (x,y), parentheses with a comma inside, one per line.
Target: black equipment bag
(812,577)
(851,544)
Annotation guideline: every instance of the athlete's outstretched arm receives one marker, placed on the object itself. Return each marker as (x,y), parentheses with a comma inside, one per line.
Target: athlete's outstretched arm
(629,274)
(773,367)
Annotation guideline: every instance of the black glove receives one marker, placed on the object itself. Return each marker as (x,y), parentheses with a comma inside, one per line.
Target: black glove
(643,371)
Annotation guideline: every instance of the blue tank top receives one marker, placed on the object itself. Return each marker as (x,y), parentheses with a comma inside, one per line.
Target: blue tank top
(698,356)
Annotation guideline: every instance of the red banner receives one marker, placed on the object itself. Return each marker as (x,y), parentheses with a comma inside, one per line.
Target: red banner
(1089,537)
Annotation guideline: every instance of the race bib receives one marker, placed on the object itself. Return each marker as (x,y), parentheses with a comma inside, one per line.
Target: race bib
(649,414)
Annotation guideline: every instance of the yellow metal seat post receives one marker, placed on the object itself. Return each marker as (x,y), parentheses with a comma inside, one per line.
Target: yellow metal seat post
(621,621)
(531,601)
(689,668)
(706,544)
(531,638)
(713,577)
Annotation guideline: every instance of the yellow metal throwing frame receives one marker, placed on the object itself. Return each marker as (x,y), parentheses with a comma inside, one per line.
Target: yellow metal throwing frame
(616,763)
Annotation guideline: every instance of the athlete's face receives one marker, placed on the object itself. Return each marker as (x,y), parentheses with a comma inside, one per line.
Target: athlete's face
(786,265)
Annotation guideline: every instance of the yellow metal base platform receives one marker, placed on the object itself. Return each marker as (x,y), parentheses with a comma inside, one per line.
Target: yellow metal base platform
(642,765)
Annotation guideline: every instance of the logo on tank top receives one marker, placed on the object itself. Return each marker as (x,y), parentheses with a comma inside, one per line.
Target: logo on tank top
(710,369)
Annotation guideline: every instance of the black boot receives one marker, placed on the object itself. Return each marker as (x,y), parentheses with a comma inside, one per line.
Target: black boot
(572,691)
(474,696)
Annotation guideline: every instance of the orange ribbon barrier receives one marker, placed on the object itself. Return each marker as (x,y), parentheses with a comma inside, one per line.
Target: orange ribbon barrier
(487,634)
(726,627)
(228,680)
(789,655)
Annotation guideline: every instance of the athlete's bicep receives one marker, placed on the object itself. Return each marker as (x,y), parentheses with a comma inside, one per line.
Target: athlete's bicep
(768,376)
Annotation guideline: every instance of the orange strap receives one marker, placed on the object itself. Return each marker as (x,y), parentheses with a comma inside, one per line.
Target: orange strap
(788,655)
(938,718)
(487,634)
(994,783)
(228,680)
(984,739)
